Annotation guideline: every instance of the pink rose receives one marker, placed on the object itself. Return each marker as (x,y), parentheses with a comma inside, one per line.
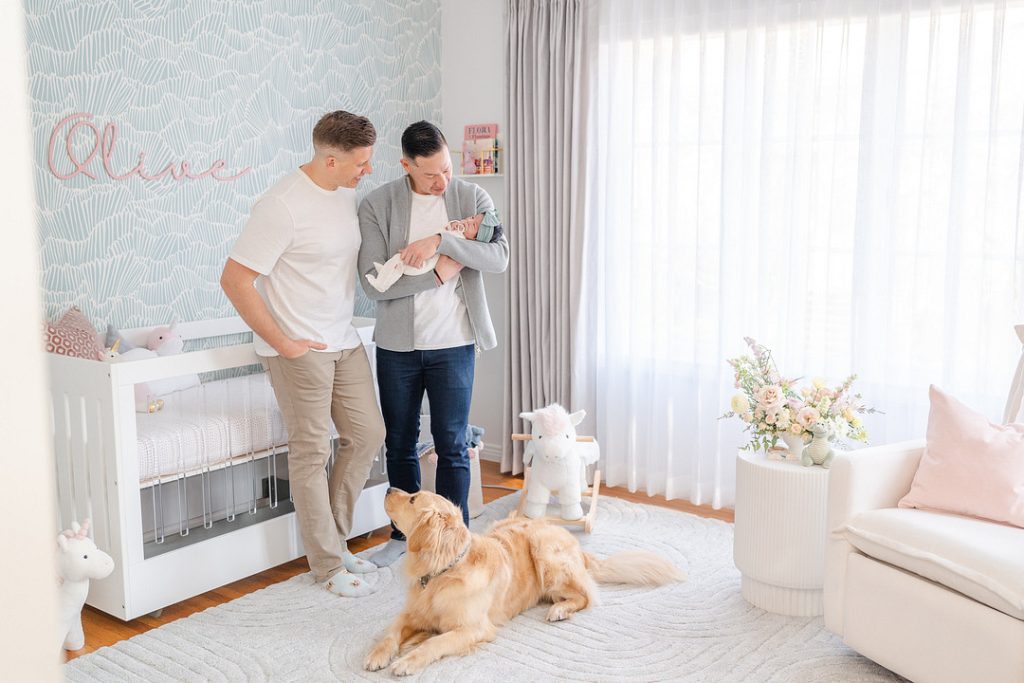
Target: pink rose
(769,397)
(807,416)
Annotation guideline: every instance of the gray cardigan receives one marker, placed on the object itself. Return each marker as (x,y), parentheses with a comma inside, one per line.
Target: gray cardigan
(384,217)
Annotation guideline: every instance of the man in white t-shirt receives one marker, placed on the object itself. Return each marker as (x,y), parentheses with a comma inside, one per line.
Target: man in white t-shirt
(429,326)
(291,275)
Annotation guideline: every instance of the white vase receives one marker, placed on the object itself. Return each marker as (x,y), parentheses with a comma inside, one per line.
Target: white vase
(795,444)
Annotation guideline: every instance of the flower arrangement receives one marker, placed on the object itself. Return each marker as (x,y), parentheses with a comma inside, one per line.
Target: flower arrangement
(772,405)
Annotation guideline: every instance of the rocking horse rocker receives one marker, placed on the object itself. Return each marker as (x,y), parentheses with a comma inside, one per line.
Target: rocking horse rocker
(556,460)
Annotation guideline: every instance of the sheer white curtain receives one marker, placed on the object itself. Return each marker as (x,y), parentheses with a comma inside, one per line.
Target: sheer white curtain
(840,180)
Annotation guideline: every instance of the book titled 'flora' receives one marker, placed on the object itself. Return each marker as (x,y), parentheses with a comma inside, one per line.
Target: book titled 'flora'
(480,149)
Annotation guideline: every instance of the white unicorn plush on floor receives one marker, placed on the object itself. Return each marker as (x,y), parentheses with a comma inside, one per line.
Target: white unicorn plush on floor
(557,462)
(78,561)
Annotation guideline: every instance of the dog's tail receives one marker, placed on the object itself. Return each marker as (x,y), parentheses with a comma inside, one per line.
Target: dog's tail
(636,567)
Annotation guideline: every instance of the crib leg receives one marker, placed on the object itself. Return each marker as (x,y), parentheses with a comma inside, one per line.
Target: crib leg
(156,614)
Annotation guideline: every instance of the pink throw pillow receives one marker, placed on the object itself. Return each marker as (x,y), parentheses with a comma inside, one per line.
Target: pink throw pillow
(970,466)
(73,335)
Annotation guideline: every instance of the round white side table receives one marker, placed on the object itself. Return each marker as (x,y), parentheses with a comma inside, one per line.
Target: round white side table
(779,533)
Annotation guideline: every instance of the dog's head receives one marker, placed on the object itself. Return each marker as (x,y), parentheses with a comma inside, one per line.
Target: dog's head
(431,523)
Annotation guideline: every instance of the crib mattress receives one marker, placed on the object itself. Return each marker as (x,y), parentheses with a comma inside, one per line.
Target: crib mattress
(209,425)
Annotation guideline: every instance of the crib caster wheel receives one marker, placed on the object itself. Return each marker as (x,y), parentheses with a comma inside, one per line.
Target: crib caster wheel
(156,614)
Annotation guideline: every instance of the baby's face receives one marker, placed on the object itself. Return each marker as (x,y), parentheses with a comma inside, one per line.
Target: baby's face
(466,224)
(474,221)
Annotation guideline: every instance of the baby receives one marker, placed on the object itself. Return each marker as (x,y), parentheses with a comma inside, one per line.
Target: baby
(486,225)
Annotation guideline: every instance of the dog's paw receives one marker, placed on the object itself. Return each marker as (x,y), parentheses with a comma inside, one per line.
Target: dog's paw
(559,612)
(408,665)
(379,657)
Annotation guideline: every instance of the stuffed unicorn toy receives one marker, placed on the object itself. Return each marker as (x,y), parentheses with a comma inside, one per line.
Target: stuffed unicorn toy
(389,272)
(78,561)
(144,401)
(165,340)
(557,463)
(162,341)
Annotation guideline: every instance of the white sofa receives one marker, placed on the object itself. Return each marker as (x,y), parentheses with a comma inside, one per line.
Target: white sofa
(933,597)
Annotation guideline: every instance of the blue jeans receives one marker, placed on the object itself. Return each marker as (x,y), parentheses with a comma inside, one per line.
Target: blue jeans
(447,377)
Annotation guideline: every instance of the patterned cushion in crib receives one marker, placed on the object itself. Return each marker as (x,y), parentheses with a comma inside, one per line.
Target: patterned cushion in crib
(73,335)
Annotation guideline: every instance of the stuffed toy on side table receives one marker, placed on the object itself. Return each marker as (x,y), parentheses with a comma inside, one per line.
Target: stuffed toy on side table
(78,561)
(819,450)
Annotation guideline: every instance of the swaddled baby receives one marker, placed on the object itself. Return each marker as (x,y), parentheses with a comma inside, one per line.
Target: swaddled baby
(487,227)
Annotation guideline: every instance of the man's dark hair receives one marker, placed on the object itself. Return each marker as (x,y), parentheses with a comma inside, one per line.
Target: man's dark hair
(344,131)
(422,139)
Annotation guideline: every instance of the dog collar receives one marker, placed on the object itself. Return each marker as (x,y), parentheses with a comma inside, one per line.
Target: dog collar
(425,579)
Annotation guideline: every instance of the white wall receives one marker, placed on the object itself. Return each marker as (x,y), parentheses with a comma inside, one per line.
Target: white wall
(473,91)
(28,638)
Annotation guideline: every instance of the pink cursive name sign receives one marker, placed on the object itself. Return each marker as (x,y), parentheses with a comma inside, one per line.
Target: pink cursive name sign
(103,146)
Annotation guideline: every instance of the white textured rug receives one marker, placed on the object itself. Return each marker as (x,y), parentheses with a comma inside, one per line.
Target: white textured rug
(701,630)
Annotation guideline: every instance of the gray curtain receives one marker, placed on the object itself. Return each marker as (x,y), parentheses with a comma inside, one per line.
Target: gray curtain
(545,165)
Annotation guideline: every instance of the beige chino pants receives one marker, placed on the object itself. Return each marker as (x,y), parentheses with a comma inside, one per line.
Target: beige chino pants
(312,391)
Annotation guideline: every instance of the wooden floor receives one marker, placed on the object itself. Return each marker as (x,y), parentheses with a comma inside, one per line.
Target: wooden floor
(102,630)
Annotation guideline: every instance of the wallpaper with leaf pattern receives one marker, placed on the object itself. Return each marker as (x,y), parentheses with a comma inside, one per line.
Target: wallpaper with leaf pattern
(198,80)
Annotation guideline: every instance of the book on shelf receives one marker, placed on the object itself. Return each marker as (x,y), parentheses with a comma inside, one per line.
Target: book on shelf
(481,154)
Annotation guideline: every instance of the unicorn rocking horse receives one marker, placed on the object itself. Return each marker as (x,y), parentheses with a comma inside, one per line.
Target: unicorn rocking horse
(556,460)
(78,561)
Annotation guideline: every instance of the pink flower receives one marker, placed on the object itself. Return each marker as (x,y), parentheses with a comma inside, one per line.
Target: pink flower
(807,416)
(769,397)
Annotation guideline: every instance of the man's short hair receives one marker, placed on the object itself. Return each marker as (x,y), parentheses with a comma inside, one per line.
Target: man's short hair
(344,131)
(422,139)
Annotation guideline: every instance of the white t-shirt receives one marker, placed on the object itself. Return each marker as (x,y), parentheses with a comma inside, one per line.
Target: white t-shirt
(440,320)
(304,240)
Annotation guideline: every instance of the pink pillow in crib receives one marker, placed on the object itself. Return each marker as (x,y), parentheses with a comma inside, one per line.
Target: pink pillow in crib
(970,466)
(73,335)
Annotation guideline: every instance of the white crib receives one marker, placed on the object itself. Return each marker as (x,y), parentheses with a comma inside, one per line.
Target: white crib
(203,458)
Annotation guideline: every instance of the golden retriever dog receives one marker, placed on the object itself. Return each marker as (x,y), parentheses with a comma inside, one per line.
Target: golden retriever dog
(463,586)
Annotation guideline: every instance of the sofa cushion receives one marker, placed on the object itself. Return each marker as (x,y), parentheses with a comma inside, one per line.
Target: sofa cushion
(983,560)
(970,466)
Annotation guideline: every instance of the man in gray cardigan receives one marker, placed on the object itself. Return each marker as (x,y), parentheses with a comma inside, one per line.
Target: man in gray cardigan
(429,326)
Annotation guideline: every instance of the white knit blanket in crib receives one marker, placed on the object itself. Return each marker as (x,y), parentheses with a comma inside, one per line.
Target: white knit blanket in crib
(207,425)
